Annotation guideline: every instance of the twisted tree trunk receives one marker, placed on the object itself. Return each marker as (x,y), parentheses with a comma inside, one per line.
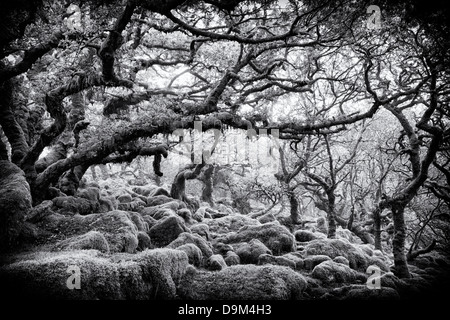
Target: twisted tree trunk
(398,243)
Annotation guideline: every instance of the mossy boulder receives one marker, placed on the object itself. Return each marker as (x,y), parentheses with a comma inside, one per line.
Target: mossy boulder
(144,241)
(222,248)
(200,242)
(139,221)
(143,190)
(166,230)
(216,262)
(231,258)
(70,205)
(193,253)
(158,200)
(274,236)
(90,193)
(310,262)
(241,282)
(186,215)
(151,274)
(157,212)
(331,273)
(359,292)
(298,260)
(116,226)
(276,260)
(306,235)
(343,260)
(250,252)
(229,223)
(158,191)
(359,256)
(125,198)
(201,229)
(90,240)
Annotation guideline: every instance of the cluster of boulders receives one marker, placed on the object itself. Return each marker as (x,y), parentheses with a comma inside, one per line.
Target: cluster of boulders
(139,243)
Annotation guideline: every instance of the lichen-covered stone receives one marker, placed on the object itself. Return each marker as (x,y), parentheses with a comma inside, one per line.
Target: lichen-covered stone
(166,230)
(275,236)
(330,273)
(193,253)
(90,240)
(200,242)
(231,258)
(239,282)
(250,252)
(276,260)
(151,274)
(306,235)
(216,262)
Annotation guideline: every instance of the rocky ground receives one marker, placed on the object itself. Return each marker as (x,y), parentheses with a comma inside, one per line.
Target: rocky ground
(136,242)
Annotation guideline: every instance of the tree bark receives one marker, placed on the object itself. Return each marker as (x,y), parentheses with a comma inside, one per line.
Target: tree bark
(208,185)
(377,228)
(294,207)
(10,126)
(398,242)
(331,216)
(3,149)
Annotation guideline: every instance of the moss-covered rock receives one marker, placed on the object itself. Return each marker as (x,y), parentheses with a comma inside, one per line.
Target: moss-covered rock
(144,241)
(306,235)
(166,230)
(361,292)
(331,273)
(186,215)
(70,205)
(299,263)
(159,191)
(239,282)
(276,260)
(125,198)
(106,205)
(268,217)
(216,262)
(90,240)
(232,259)
(200,242)
(222,248)
(201,229)
(116,226)
(156,212)
(359,256)
(343,260)
(152,274)
(158,200)
(143,190)
(275,236)
(310,262)
(139,221)
(89,193)
(250,252)
(193,253)
(229,223)
(134,205)
(347,235)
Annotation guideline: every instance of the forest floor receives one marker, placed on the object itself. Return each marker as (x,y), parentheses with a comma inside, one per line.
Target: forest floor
(113,241)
